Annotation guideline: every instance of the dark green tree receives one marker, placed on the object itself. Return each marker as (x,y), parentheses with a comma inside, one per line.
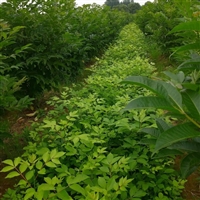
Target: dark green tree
(128,6)
(112,3)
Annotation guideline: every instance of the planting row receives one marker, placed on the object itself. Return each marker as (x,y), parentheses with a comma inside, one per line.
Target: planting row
(47,43)
(88,147)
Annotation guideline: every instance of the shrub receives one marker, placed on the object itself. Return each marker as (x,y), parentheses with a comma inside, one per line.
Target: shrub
(10,85)
(63,38)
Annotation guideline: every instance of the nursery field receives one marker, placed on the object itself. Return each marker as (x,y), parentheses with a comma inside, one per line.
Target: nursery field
(128,128)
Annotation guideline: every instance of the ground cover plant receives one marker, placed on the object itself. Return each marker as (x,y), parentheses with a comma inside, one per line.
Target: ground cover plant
(87,147)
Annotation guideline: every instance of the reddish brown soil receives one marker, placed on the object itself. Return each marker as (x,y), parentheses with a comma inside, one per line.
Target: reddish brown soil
(192,187)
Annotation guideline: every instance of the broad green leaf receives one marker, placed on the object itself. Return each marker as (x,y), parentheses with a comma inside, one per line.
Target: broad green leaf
(191,64)
(150,102)
(173,93)
(78,188)
(102,182)
(191,86)
(188,146)
(152,85)
(175,134)
(152,131)
(186,26)
(162,125)
(176,77)
(12,174)
(79,178)
(192,101)
(189,164)
(161,88)
(7,168)
(188,47)
(167,152)
(29,193)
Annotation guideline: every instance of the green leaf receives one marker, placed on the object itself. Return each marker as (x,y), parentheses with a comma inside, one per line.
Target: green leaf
(42,171)
(46,157)
(175,134)
(22,182)
(50,164)
(79,178)
(29,193)
(191,86)
(29,174)
(187,47)
(12,174)
(7,168)
(111,184)
(104,169)
(190,64)
(186,26)
(48,180)
(23,167)
(39,164)
(102,182)
(59,154)
(46,187)
(152,131)
(189,164)
(56,161)
(8,162)
(188,146)
(53,153)
(179,78)
(63,195)
(78,188)
(192,101)
(162,125)
(173,93)
(167,152)
(17,161)
(152,85)
(164,90)
(150,102)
